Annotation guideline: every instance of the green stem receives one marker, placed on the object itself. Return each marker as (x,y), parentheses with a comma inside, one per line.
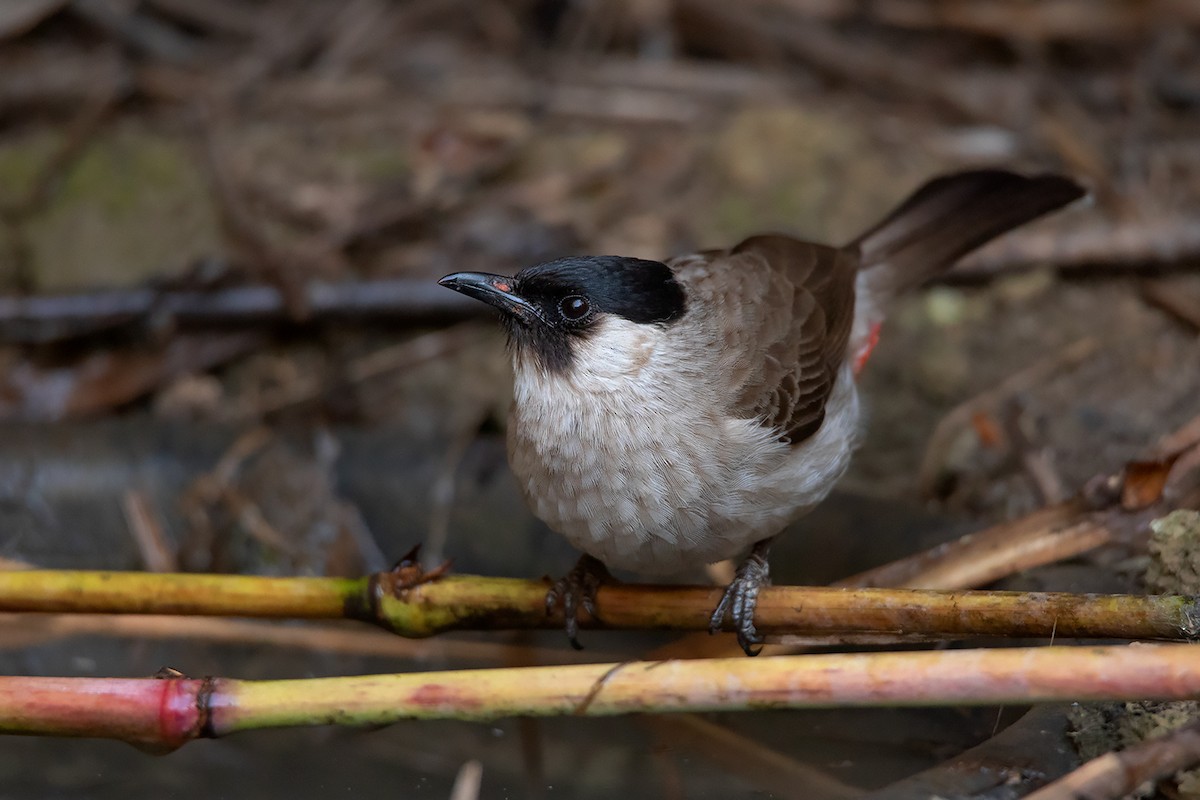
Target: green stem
(400,602)
(67,591)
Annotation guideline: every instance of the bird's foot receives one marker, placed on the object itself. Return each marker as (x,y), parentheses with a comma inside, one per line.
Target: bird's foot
(577,589)
(741,598)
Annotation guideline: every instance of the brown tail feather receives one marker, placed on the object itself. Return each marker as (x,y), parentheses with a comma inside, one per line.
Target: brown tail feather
(951,216)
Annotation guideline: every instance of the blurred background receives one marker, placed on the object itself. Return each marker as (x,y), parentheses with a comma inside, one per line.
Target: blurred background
(222,347)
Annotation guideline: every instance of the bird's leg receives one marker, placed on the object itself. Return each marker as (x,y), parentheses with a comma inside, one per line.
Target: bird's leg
(578,588)
(741,597)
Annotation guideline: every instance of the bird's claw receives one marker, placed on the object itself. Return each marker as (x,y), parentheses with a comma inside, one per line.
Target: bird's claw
(739,602)
(577,589)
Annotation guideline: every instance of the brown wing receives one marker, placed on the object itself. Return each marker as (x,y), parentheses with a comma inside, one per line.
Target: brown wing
(786,309)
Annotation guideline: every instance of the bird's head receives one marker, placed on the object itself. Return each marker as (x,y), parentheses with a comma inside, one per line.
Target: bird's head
(552,310)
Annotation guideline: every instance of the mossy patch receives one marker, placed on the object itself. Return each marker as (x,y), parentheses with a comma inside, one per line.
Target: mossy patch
(133,205)
(1099,728)
(1175,554)
(21,160)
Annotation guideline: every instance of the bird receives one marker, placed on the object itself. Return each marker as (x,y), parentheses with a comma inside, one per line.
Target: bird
(670,414)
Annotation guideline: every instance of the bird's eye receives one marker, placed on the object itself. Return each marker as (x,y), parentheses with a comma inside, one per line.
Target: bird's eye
(574,308)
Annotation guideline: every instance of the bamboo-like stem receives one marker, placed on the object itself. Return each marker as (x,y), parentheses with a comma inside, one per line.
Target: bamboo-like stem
(480,603)
(81,591)
(167,712)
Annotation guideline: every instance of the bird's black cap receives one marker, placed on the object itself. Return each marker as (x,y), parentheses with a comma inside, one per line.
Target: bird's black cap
(549,306)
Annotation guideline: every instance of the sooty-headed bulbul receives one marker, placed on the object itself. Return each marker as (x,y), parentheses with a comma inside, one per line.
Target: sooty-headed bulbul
(671,414)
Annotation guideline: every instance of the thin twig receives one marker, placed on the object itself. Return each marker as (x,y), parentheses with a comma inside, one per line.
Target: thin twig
(225,17)
(468,781)
(146,527)
(1174,297)
(770,770)
(394,358)
(1035,456)
(1050,534)
(441,494)
(992,399)
(139,31)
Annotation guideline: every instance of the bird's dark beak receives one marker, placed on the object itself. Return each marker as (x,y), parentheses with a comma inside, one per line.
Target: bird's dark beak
(495,290)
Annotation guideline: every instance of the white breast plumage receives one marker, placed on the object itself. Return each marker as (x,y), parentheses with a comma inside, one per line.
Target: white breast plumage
(627,455)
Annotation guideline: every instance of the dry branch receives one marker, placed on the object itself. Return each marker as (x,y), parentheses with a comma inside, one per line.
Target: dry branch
(49,317)
(992,400)
(1022,756)
(1179,298)
(1111,245)
(769,770)
(147,530)
(1042,537)
(1119,774)
(1100,514)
